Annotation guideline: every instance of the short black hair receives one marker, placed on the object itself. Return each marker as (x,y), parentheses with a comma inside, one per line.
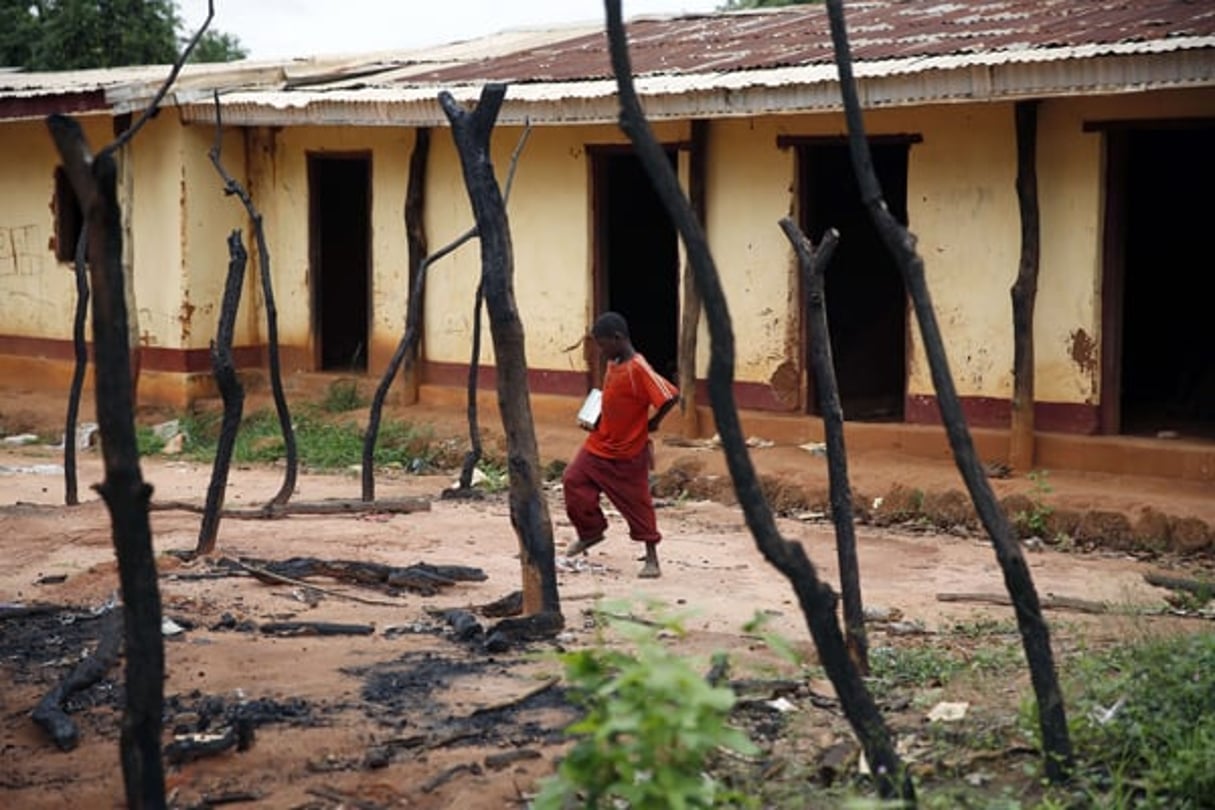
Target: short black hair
(610,324)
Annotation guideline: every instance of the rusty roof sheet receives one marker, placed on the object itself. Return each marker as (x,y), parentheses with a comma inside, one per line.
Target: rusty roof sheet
(879,31)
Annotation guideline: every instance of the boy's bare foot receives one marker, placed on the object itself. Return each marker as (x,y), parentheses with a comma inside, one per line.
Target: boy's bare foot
(650,570)
(580,545)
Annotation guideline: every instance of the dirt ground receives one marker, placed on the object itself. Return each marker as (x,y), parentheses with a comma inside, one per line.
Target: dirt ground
(408,715)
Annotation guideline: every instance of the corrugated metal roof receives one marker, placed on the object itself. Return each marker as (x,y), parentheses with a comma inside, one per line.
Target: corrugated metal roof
(732,63)
(879,30)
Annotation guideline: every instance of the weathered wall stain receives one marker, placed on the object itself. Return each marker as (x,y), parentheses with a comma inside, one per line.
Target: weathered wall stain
(1083,351)
(786,383)
(18,255)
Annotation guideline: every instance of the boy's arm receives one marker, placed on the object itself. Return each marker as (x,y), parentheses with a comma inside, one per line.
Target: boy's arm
(657,418)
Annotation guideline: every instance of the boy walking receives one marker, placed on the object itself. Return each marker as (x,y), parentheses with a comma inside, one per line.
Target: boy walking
(615,459)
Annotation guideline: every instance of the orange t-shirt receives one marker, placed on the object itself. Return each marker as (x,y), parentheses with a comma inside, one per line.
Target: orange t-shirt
(630,389)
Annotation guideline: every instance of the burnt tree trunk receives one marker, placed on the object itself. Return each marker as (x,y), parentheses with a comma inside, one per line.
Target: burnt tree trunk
(1035,635)
(291,463)
(474,367)
(1025,291)
(233,187)
(123,490)
(816,598)
(81,349)
(690,325)
(528,506)
(813,264)
(404,354)
(415,235)
(230,390)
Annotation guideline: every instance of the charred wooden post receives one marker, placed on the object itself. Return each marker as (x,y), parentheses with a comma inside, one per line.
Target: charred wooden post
(528,506)
(95,180)
(415,235)
(233,187)
(1025,291)
(1035,635)
(49,714)
(230,391)
(81,350)
(474,366)
(690,325)
(123,490)
(406,352)
(813,264)
(816,598)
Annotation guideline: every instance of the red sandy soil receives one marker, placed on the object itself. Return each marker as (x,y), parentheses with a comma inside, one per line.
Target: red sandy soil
(711,569)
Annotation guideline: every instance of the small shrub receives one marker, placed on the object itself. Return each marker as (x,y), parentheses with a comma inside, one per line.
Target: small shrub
(651,721)
(1034,519)
(147,441)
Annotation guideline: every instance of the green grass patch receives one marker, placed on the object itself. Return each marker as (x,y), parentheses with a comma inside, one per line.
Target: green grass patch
(323,443)
(1143,724)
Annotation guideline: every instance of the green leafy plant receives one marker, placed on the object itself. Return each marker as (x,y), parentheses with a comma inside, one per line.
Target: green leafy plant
(497,477)
(1039,513)
(892,667)
(651,721)
(147,441)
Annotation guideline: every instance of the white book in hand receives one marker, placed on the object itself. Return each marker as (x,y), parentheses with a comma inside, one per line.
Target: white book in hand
(592,406)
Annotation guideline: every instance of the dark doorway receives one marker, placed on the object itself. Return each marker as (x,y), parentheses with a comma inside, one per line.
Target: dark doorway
(1167,279)
(866,302)
(340,232)
(637,257)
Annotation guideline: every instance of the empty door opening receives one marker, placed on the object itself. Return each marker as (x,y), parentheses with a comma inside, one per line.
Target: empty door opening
(340,201)
(866,302)
(1167,363)
(637,268)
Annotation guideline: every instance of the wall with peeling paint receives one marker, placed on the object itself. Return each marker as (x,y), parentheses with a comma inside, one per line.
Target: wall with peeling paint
(551,231)
(749,188)
(208,216)
(157,201)
(37,292)
(1067,330)
(962,206)
(279,171)
(961,201)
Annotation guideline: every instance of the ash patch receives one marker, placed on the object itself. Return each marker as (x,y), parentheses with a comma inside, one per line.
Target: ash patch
(406,686)
(199,712)
(409,693)
(40,648)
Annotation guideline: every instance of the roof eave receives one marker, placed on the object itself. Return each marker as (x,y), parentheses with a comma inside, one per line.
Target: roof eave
(763,92)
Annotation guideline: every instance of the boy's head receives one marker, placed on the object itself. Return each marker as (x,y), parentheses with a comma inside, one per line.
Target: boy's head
(611,334)
(610,324)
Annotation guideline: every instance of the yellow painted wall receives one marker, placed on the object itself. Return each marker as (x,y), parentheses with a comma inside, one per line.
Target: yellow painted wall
(961,201)
(279,179)
(208,218)
(155,211)
(551,228)
(749,189)
(1070,171)
(37,292)
(962,206)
